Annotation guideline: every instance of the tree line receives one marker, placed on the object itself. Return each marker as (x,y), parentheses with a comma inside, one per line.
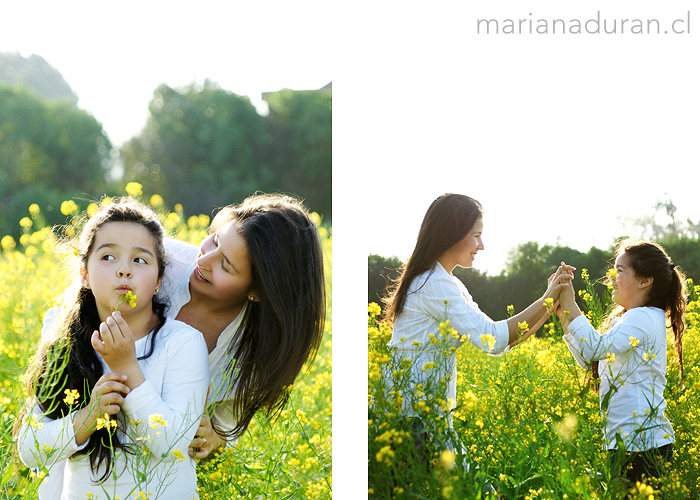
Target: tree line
(202,147)
(525,276)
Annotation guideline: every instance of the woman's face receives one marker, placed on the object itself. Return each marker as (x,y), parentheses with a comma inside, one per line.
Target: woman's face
(223,271)
(464,252)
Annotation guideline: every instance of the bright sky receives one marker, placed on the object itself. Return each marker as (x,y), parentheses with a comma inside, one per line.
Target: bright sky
(114,55)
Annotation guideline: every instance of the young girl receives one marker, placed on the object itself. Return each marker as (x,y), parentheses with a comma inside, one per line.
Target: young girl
(427,293)
(113,353)
(255,289)
(647,287)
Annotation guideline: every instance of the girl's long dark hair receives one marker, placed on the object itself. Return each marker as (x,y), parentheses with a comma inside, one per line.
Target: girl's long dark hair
(281,331)
(668,288)
(448,220)
(67,360)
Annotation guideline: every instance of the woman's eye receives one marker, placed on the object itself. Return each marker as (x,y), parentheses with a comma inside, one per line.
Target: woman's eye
(223,266)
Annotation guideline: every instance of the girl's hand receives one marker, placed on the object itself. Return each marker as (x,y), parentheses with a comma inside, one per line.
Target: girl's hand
(559,281)
(115,343)
(205,440)
(106,398)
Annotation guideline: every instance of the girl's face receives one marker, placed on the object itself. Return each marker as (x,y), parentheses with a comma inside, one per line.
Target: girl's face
(629,290)
(223,271)
(464,252)
(123,259)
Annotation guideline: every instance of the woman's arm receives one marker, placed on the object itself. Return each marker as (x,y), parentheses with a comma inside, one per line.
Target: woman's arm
(538,312)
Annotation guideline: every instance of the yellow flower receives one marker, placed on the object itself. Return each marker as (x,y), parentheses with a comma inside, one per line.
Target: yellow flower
(92,209)
(177,454)
(72,395)
(510,310)
(634,342)
(610,357)
(34,209)
(548,303)
(156,200)
(447,459)
(523,328)
(68,207)
(8,243)
(130,299)
(545,358)
(134,189)
(34,423)
(26,222)
(488,340)
(156,420)
(373,309)
(105,422)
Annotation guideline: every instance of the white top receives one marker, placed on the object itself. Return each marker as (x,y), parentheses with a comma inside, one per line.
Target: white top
(175,291)
(177,376)
(424,309)
(636,376)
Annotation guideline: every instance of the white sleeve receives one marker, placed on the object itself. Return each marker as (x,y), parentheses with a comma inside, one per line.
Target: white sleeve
(594,346)
(465,316)
(180,405)
(42,441)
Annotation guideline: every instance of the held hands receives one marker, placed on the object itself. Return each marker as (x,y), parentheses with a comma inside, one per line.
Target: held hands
(559,282)
(205,440)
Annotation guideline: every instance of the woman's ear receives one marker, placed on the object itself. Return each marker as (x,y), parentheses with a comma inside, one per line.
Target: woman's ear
(84,281)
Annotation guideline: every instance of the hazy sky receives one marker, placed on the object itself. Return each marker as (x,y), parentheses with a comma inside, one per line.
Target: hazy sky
(114,55)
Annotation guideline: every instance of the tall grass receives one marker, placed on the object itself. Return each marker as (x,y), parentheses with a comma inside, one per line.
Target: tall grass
(527,423)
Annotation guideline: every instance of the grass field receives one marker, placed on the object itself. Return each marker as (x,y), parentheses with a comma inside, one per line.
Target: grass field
(529,423)
(287,459)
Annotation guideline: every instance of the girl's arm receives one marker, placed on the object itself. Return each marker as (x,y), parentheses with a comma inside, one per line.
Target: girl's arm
(42,441)
(170,418)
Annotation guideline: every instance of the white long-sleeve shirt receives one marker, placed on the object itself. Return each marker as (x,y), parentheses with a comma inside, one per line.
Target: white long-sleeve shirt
(632,364)
(175,292)
(434,296)
(172,398)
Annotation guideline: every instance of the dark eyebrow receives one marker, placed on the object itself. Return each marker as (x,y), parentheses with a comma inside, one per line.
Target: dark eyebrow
(115,245)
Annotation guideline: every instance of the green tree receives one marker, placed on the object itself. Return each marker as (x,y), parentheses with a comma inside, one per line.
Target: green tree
(201,147)
(299,128)
(50,149)
(382,273)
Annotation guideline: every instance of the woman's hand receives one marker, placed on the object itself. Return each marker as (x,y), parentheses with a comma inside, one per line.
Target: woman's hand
(106,398)
(559,281)
(115,343)
(205,440)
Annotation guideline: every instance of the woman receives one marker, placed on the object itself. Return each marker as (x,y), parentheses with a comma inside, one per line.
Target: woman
(255,289)
(427,294)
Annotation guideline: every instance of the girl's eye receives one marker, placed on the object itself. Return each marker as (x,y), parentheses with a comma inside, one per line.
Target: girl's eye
(108,257)
(140,260)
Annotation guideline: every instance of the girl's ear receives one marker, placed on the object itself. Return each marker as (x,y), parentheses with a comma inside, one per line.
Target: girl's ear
(155,292)
(646,282)
(252,296)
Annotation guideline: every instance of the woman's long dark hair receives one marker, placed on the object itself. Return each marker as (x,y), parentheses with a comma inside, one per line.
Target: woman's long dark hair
(67,359)
(668,288)
(448,220)
(281,331)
